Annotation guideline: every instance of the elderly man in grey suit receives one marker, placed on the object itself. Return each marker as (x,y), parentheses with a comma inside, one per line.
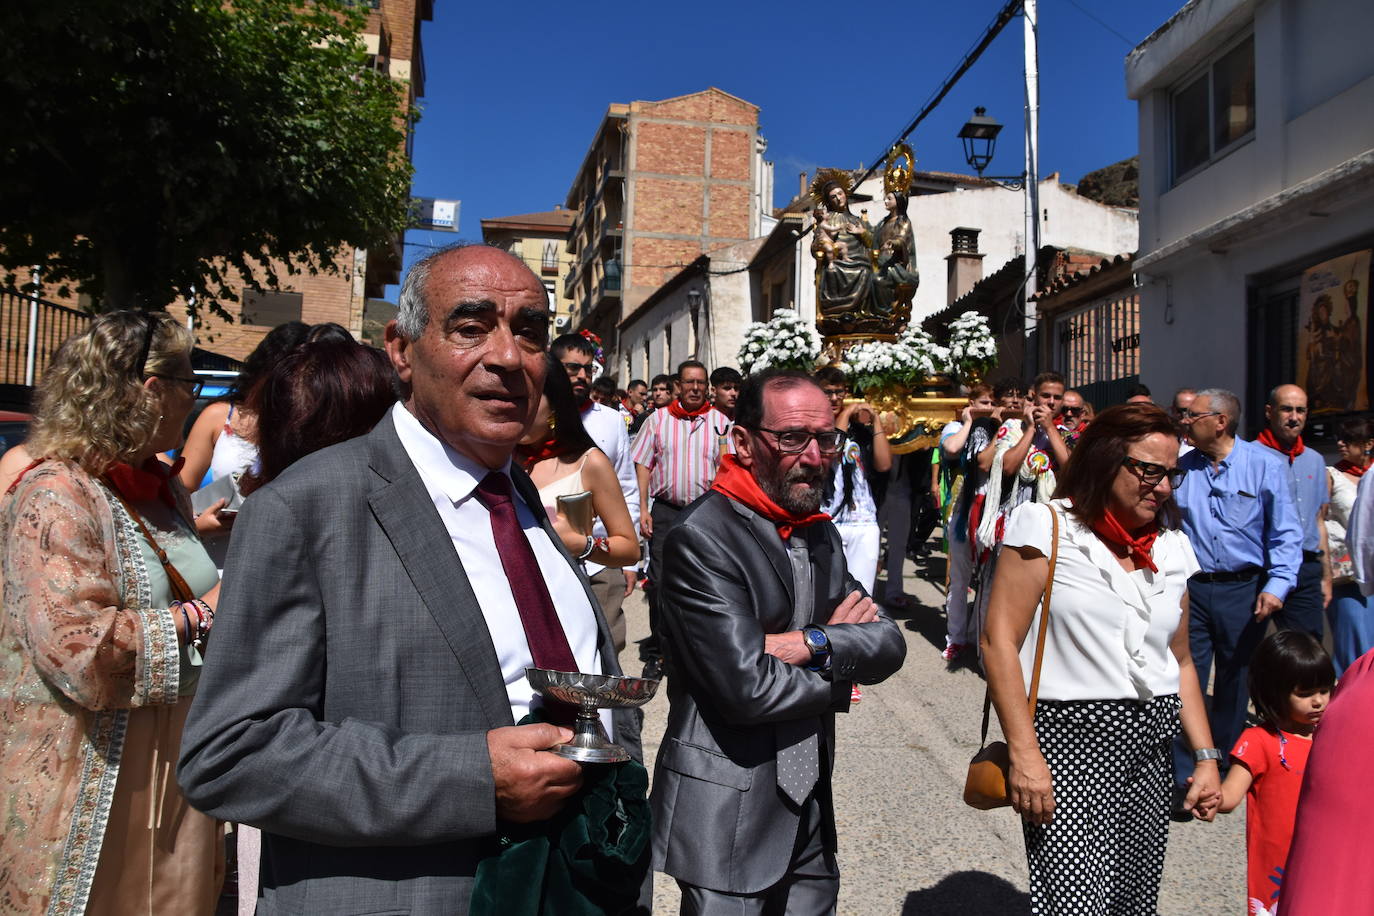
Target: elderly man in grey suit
(768,631)
(382,599)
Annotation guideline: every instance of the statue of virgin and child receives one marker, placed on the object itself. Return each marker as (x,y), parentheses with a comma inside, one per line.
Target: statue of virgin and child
(865,276)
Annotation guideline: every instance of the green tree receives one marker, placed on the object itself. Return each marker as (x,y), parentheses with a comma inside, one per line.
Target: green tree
(156,148)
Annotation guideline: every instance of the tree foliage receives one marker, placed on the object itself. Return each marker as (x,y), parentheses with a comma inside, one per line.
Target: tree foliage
(157,148)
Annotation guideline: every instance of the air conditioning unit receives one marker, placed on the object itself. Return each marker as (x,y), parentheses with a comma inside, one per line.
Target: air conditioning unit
(563,322)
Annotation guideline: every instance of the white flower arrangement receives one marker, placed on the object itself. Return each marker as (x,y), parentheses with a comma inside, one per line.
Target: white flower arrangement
(971,344)
(785,341)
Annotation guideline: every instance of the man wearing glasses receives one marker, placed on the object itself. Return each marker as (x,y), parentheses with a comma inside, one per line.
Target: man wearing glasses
(675,455)
(1238,512)
(604,424)
(767,630)
(1073,418)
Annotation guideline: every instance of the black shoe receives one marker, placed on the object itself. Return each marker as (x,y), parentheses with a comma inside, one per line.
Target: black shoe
(653,669)
(1178,813)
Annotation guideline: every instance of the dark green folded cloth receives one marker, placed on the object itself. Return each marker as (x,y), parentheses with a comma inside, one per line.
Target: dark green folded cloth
(589,859)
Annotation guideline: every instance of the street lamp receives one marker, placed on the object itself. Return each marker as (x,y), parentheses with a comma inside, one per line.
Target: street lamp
(979,136)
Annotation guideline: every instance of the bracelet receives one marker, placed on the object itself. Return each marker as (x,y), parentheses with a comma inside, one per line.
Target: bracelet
(207,615)
(591,545)
(186,619)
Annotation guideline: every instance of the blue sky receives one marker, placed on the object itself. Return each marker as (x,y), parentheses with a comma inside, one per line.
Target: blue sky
(515,91)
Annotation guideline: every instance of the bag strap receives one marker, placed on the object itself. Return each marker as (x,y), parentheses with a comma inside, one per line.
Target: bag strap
(1040,635)
(180,590)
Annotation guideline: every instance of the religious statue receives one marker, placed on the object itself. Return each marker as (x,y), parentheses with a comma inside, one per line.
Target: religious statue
(865,280)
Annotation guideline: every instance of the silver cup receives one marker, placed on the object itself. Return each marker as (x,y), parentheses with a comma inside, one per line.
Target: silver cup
(590,692)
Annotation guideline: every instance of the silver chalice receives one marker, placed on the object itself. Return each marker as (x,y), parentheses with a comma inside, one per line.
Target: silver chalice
(590,692)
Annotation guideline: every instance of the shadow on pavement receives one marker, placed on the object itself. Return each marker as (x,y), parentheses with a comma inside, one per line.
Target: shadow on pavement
(967,893)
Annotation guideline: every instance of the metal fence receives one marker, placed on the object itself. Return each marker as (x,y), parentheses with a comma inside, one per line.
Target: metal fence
(31,330)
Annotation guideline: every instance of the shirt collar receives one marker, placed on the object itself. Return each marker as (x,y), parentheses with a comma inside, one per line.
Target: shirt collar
(440,465)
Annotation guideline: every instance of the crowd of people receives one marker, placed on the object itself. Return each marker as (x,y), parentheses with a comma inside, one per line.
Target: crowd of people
(407,530)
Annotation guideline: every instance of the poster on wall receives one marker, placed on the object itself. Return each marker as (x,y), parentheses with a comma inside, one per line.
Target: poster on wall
(1333,312)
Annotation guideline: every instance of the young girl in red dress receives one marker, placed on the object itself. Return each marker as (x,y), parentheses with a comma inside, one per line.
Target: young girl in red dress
(1290,684)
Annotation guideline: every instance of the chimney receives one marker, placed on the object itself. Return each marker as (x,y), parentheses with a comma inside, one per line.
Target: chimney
(965,263)
(802,192)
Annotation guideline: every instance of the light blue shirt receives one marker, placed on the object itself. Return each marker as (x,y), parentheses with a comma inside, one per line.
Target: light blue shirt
(1242,514)
(1307,485)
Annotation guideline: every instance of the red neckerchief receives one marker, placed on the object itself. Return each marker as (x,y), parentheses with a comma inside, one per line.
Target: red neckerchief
(629,407)
(682,413)
(1139,544)
(734,480)
(530,455)
(1267,437)
(1354,470)
(586,406)
(145,483)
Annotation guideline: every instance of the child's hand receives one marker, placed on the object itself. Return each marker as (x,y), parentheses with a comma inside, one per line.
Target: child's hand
(1204,794)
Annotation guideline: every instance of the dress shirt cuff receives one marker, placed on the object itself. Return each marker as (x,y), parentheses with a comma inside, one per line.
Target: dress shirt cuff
(1278,587)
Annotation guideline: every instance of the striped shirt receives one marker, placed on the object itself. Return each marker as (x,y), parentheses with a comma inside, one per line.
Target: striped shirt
(681,455)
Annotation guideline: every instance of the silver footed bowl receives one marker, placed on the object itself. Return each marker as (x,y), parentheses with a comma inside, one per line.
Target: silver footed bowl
(599,691)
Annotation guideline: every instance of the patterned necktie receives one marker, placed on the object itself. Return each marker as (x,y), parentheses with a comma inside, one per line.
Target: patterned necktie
(543,631)
(798,740)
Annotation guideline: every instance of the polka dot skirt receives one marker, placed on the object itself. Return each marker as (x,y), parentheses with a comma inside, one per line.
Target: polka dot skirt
(1104,851)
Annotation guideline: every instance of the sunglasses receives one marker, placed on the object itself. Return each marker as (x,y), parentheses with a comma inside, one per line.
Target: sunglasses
(1151,473)
(197,386)
(1073,411)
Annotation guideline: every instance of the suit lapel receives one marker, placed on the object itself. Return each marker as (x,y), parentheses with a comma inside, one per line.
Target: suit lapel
(765,533)
(403,509)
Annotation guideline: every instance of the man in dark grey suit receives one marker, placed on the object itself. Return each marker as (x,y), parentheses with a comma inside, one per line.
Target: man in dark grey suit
(768,631)
(358,704)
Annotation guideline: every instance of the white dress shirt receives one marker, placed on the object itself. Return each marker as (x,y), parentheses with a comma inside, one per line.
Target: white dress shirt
(607,428)
(451,479)
(1109,631)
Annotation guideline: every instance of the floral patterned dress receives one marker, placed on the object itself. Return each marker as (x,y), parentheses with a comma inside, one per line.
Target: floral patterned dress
(91,710)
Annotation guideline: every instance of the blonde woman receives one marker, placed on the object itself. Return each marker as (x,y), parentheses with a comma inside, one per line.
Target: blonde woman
(108,598)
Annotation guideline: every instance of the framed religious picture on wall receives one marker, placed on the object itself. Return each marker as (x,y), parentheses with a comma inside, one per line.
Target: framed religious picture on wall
(1333,314)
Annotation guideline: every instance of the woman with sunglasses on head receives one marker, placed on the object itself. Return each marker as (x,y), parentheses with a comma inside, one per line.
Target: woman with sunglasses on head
(1351,613)
(1091,771)
(108,599)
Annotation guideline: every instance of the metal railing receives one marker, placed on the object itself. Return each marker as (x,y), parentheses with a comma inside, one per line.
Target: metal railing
(31,330)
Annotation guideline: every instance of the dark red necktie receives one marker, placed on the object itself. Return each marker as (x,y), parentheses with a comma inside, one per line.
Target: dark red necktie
(543,631)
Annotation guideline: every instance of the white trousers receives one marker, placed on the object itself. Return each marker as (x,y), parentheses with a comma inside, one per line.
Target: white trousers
(861,551)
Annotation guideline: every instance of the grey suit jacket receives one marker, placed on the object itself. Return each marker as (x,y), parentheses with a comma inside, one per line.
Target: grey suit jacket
(720,821)
(348,689)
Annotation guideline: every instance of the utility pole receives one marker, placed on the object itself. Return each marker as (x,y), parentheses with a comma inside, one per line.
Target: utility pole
(1031,18)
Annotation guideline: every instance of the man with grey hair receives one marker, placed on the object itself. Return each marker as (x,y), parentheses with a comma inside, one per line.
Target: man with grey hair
(381,603)
(1238,513)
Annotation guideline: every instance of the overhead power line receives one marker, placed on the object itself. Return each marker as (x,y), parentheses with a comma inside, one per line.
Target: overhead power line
(1006,15)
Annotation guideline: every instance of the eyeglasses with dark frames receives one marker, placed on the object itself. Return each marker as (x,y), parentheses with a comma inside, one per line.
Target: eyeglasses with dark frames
(1151,473)
(196,384)
(574,368)
(149,331)
(795,441)
(1187,414)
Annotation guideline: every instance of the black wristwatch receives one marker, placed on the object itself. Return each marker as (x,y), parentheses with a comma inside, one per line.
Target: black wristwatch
(819,645)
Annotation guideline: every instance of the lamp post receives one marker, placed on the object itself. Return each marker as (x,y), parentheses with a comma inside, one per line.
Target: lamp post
(979,138)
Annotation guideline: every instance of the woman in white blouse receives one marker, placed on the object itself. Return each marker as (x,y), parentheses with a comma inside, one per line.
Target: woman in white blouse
(1091,775)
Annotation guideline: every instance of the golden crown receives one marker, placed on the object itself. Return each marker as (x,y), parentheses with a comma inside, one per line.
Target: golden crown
(824,179)
(897,177)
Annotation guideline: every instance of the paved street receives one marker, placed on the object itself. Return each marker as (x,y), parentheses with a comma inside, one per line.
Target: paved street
(908,845)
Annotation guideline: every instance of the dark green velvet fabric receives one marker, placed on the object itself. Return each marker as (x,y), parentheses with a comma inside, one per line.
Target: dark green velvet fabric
(590,859)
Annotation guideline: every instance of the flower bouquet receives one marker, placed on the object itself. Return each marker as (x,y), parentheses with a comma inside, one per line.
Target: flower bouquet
(972,348)
(785,341)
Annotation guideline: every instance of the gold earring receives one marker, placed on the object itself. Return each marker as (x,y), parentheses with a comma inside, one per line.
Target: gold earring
(553,423)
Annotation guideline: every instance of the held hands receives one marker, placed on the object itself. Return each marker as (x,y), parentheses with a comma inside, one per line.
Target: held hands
(1204,791)
(1265,605)
(531,783)
(1031,789)
(789,647)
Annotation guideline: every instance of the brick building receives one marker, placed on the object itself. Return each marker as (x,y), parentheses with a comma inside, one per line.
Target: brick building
(540,240)
(392,37)
(662,183)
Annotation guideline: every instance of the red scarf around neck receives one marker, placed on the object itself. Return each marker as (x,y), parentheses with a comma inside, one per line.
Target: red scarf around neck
(1354,470)
(682,413)
(586,406)
(1267,437)
(151,480)
(530,455)
(735,481)
(1138,545)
